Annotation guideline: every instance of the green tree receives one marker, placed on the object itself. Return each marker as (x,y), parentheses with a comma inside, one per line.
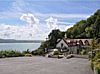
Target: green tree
(54,35)
(89,28)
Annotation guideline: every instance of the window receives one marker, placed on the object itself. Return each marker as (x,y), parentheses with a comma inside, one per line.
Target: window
(86,42)
(61,45)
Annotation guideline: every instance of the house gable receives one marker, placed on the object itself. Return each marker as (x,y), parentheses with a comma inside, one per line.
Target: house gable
(62,44)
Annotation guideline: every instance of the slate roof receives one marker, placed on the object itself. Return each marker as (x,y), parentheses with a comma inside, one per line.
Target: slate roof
(74,42)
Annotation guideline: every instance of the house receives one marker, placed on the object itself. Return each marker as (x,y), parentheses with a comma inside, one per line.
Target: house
(72,45)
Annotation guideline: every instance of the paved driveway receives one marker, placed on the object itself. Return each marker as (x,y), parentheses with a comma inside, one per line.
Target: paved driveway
(41,65)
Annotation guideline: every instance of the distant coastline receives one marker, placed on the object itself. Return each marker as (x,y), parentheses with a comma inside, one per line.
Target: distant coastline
(19,41)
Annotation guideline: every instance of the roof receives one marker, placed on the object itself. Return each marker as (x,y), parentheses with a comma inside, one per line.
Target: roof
(74,42)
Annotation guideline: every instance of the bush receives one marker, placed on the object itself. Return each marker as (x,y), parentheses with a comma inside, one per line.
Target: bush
(10,53)
(28,55)
(34,52)
(92,65)
(57,53)
(83,52)
(97,67)
(97,56)
(38,52)
(26,52)
(96,63)
(1,54)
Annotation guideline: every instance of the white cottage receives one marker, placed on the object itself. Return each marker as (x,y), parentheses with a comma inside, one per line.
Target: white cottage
(61,44)
(72,45)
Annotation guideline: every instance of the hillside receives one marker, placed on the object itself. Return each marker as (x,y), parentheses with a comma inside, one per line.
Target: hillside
(89,28)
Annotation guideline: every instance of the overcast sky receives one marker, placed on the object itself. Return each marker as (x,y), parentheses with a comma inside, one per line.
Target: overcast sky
(34,19)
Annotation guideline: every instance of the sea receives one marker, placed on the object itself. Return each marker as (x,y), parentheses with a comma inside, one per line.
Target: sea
(19,46)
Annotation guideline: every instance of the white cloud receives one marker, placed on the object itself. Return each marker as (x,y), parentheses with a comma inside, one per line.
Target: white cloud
(15,32)
(52,23)
(64,27)
(27,31)
(32,21)
(33,28)
(23,32)
(29,18)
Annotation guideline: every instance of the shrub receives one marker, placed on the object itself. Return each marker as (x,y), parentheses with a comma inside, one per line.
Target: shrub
(97,67)
(26,52)
(96,63)
(1,54)
(38,52)
(34,52)
(83,52)
(10,53)
(92,65)
(18,54)
(28,55)
(57,53)
(97,56)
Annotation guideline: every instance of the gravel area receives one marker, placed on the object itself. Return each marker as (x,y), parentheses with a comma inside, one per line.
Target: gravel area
(43,65)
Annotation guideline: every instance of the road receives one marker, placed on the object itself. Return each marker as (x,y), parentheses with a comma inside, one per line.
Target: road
(43,65)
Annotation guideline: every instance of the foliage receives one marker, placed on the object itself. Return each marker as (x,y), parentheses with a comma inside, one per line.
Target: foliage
(89,28)
(38,52)
(54,35)
(51,42)
(97,68)
(57,53)
(83,52)
(95,63)
(95,44)
(28,55)
(97,56)
(26,52)
(10,53)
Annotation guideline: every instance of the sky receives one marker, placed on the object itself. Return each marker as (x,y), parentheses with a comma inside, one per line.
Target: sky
(35,19)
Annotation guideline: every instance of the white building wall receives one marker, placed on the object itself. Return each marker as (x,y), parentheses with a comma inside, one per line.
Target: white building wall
(61,42)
